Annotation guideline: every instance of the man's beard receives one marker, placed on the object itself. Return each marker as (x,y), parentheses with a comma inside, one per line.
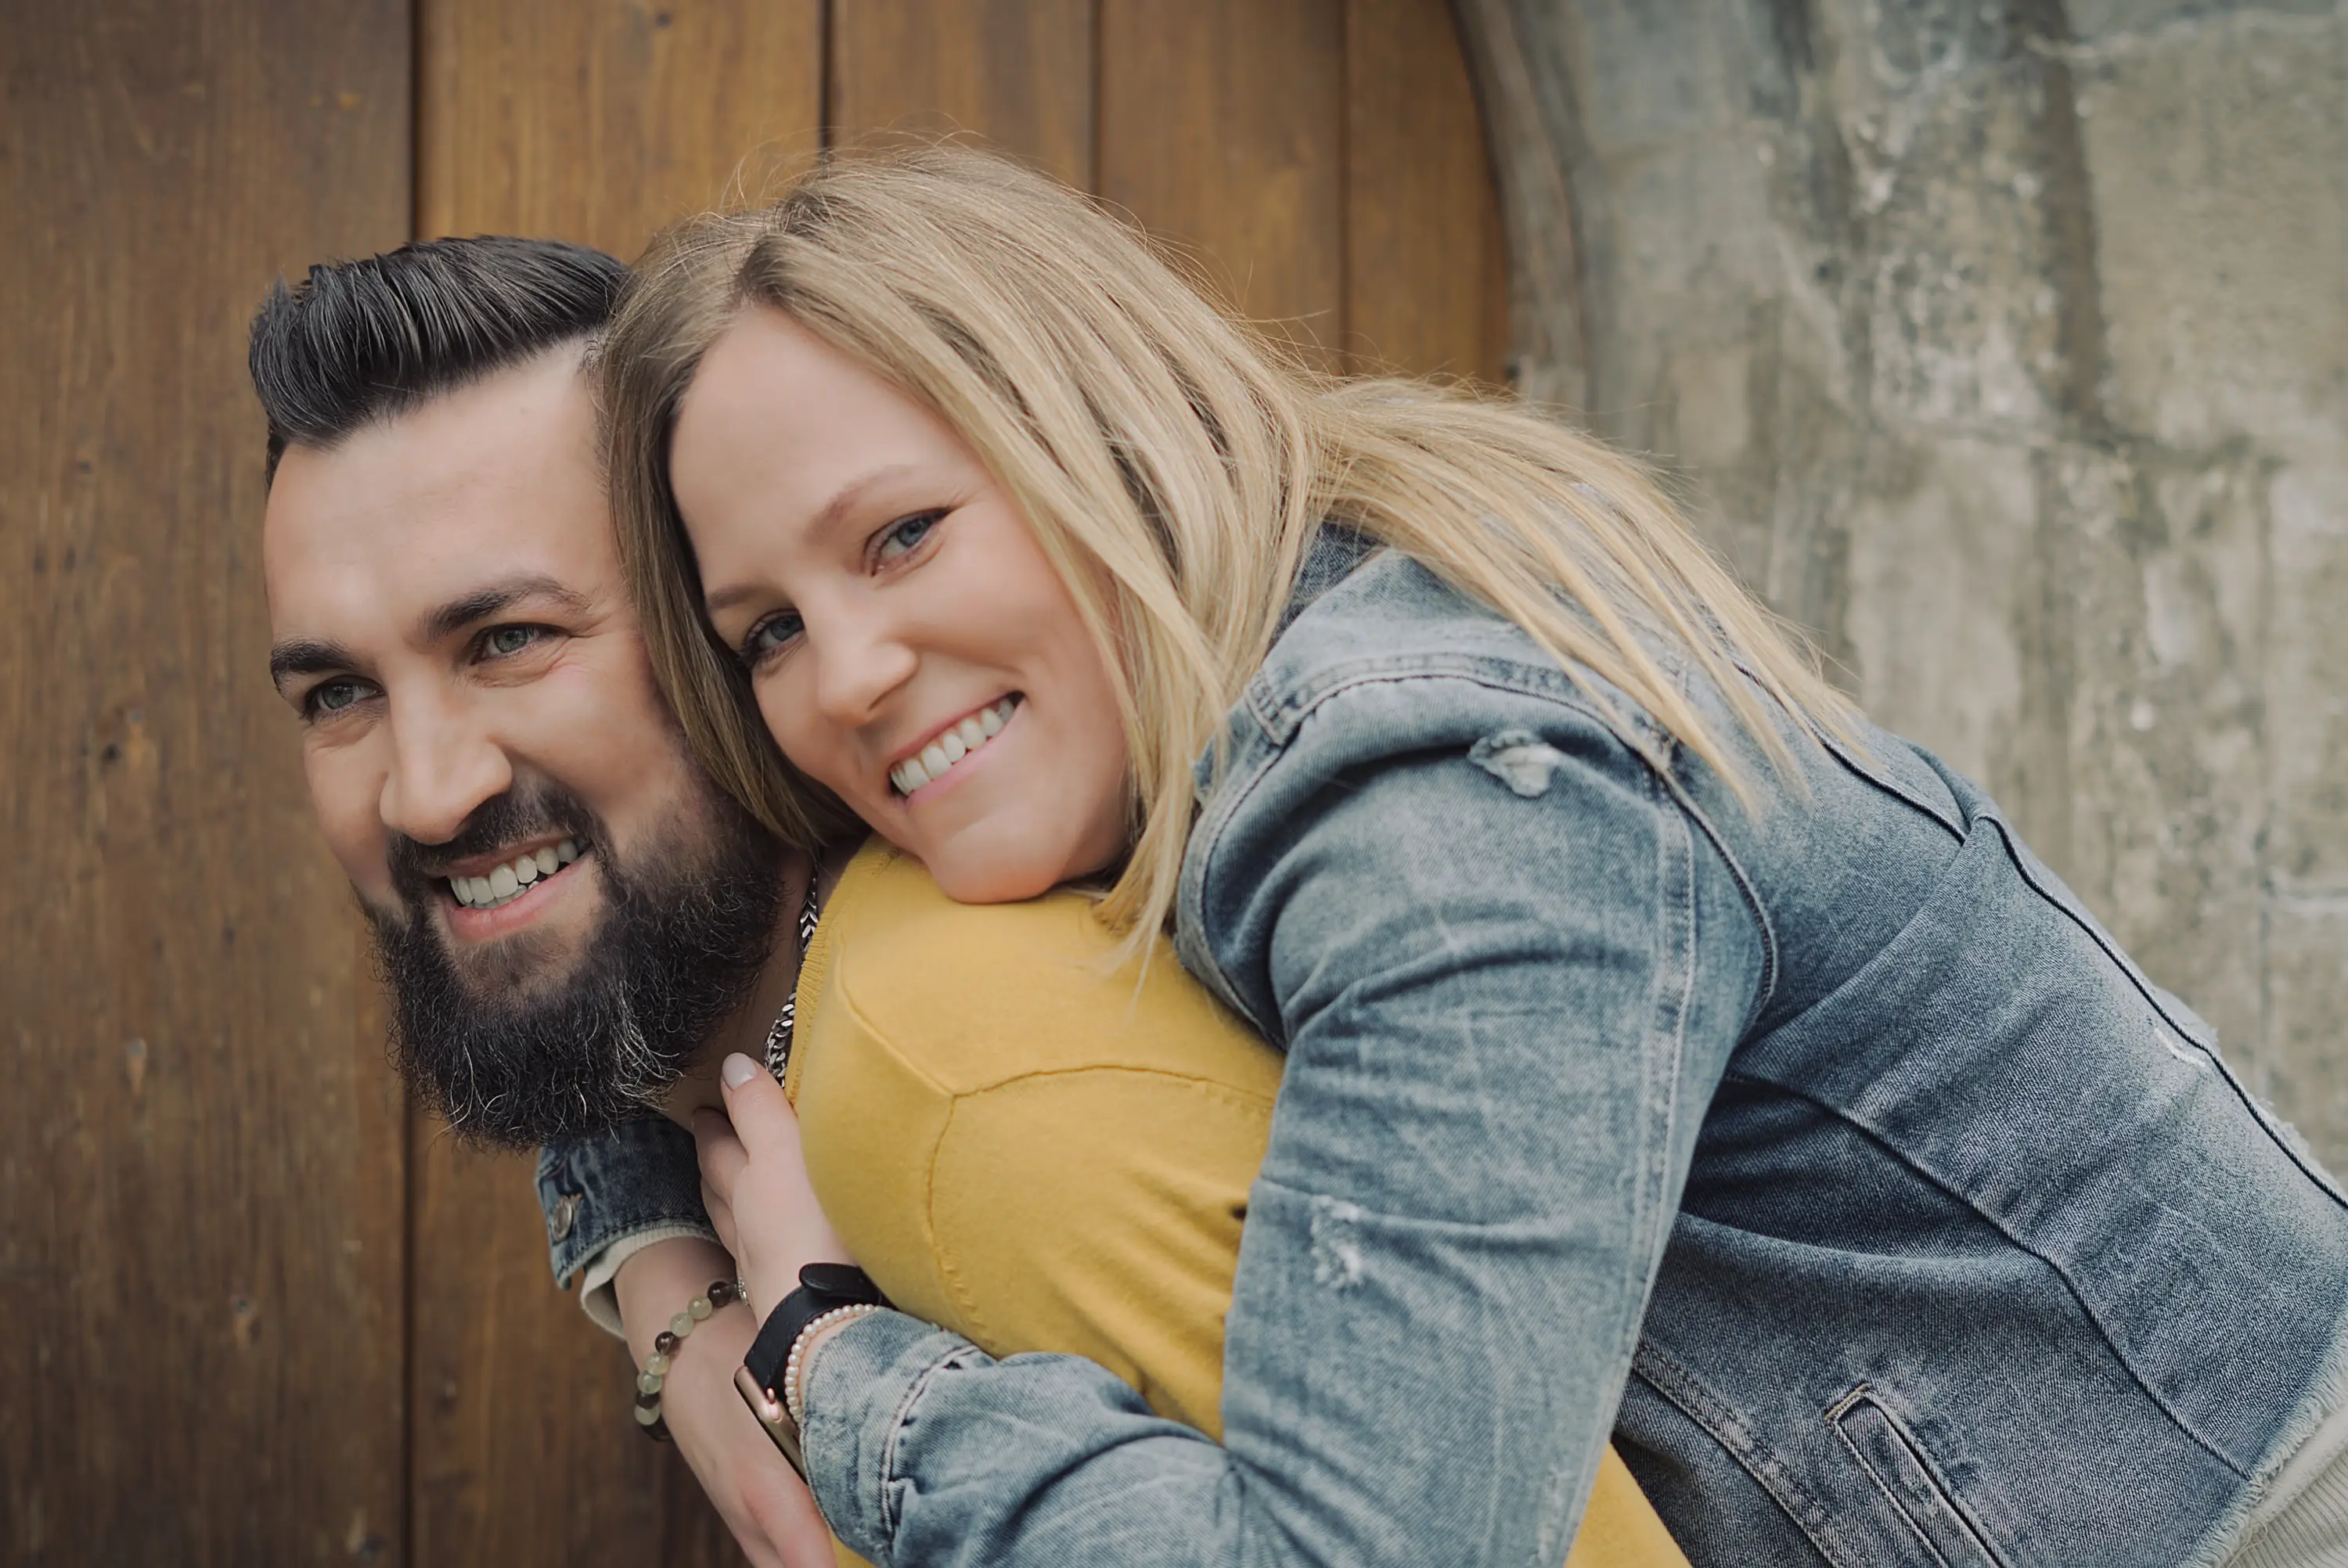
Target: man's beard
(516,1047)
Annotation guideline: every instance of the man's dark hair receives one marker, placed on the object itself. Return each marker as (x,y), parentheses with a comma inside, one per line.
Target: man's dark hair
(363,341)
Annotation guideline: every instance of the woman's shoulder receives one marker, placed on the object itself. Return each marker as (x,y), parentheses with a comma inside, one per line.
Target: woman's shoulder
(976,996)
(1393,629)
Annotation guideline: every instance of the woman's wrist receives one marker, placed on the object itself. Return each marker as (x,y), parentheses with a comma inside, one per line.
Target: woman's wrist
(768,1284)
(803,1356)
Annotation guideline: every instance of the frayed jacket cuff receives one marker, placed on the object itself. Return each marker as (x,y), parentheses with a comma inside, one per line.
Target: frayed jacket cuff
(600,1189)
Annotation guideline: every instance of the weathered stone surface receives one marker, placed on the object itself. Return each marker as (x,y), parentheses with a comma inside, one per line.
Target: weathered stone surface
(2006,348)
(2220,163)
(2098,19)
(2307,681)
(2304,1070)
(1942,593)
(2156,589)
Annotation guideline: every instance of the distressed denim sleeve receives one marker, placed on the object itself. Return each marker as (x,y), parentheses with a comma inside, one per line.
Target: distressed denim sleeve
(607,1186)
(1507,967)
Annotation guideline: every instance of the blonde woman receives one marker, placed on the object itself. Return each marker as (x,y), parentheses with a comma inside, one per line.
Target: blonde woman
(1666,1049)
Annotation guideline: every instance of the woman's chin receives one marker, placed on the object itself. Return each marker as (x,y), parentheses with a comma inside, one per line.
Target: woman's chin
(990,876)
(991,885)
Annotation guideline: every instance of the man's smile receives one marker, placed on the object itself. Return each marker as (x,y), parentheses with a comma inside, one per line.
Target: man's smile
(510,892)
(504,881)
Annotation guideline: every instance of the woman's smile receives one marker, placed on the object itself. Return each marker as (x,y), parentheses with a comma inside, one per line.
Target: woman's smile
(938,761)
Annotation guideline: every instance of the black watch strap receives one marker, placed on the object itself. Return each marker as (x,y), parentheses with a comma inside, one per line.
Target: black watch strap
(823,1287)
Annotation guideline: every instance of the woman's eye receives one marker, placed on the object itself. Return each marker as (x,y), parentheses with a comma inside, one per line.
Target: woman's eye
(769,637)
(505,642)
(906,535)
(328,697)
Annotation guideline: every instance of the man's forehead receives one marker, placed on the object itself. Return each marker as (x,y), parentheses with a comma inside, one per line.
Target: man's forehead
(482,484)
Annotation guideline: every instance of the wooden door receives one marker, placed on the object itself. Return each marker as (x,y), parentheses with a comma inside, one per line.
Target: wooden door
(265,1315)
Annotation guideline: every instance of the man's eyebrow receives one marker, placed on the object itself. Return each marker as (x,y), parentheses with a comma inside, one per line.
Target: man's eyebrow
(846,497)
(484,602)
(306,656)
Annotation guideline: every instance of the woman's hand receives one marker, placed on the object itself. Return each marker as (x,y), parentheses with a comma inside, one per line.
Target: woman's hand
(764,1504)
(754,1181)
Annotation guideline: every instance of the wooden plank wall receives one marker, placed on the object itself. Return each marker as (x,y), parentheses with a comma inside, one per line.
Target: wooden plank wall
(201,1155)
(271,1320)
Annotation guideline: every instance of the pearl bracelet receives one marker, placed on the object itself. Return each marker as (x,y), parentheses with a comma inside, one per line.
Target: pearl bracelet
(794,1397)
(655,1371)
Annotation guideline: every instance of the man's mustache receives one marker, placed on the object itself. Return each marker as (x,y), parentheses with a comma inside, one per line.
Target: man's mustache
(501,820)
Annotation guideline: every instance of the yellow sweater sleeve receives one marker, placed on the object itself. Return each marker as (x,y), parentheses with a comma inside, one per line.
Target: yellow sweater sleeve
(1042,1152)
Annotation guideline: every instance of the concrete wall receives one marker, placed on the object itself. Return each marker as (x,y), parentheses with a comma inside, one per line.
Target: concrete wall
(2005,346)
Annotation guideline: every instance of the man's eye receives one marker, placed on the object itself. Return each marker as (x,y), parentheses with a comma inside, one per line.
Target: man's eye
(333,696)
(769,637)
(906,533)
(505,642)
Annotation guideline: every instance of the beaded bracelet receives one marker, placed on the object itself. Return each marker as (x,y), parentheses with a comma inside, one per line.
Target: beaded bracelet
(794,1397)
(721,1293)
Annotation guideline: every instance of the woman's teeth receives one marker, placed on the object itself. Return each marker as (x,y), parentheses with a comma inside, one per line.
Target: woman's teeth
(511,880)
(949,748)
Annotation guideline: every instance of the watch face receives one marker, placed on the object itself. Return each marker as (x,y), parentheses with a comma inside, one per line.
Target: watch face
(844,1280)
(773,1419)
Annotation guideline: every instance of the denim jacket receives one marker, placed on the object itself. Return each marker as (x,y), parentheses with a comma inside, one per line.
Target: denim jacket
(606,1188)
(1825,1148)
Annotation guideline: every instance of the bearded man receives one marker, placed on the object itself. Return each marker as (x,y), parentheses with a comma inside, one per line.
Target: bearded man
(569,915)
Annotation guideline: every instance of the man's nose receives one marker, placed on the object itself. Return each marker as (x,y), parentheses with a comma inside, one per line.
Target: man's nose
(443,767)
(860,659)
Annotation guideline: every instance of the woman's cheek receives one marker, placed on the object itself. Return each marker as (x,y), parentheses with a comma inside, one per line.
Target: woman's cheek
(801,748)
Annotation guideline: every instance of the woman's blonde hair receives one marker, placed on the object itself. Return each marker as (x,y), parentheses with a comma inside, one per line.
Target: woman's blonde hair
(1174,464)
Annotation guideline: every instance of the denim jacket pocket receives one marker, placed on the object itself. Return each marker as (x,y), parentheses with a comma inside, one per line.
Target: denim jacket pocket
(1893,1460)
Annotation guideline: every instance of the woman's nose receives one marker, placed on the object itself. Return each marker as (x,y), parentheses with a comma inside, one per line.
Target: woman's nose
(443,768)
(859,661)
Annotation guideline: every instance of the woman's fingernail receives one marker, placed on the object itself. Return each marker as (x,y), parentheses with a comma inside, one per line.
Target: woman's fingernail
(737,1070)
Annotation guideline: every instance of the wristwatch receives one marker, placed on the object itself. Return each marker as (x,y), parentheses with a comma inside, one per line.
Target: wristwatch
(824,1288)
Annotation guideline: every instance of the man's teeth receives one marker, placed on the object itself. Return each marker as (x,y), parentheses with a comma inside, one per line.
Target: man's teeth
(511,880)
(952,746)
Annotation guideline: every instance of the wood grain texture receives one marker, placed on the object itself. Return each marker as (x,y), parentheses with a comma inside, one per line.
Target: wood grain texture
(266,1317)
(524,1452)
(1223,126)
(1016,72)
(594,122)
(599,120)
(1426,276)
(200,1154)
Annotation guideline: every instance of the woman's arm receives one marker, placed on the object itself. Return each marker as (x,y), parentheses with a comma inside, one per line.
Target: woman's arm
(602,1195)
(764,1504)
(1505,1008)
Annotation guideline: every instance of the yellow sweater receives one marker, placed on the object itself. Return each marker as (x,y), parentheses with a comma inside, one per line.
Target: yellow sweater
(1021,1147)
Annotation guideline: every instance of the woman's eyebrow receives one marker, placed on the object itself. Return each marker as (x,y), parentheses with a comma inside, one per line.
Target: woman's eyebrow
(848,494)
(827,518)
(728,596)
